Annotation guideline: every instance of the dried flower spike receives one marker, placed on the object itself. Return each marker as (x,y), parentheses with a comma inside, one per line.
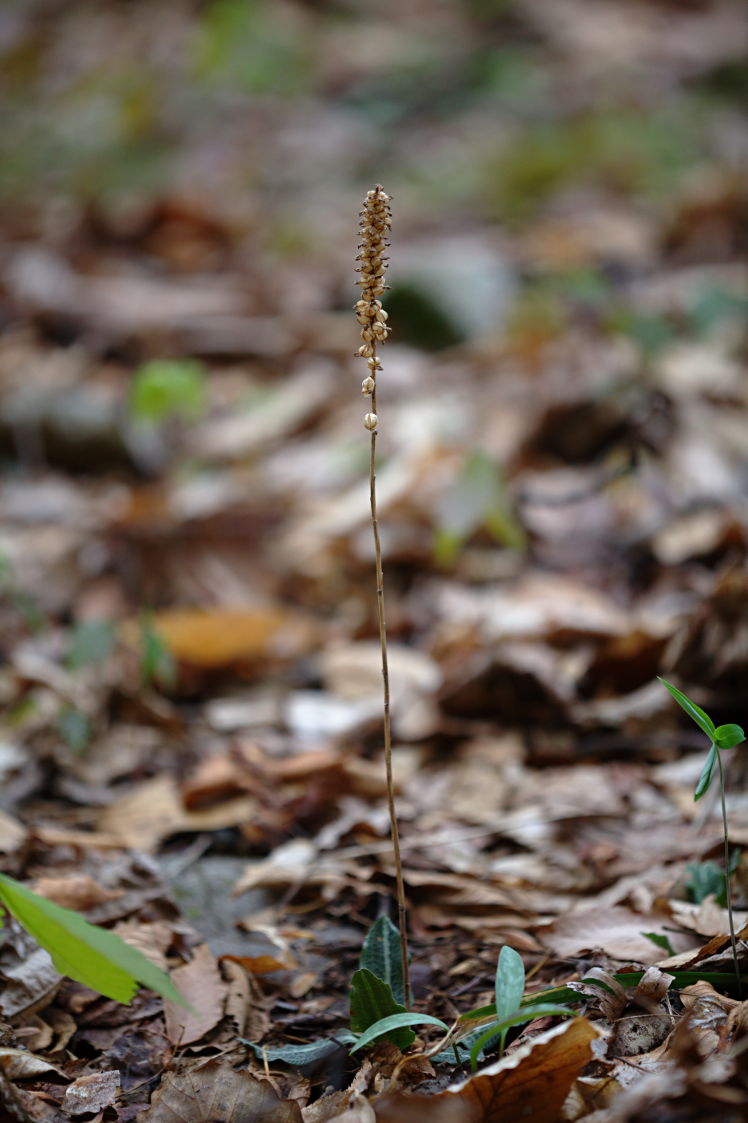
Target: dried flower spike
(376,220)
(374,226)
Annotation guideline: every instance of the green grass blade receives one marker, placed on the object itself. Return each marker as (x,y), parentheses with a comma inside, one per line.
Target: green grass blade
(90,955)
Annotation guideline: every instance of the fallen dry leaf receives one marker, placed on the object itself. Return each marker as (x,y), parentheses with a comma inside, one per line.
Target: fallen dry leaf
(200,983)
(617,930)
(78,891)
(221,637)
(216,1093)
(89,1094)
(19,1064)
(531,1083)
(153,810)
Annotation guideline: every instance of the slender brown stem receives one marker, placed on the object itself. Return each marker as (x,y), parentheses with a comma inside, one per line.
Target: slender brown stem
(728,880)
(401,907)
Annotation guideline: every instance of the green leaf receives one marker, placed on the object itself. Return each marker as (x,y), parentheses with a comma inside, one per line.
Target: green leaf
(510,982)
(372,1000)
(74,727)
(93,956)
(93,641)
(157,664)
(461,1048)
(381,954)
(385,1027)
(695,712)
(165,388)
(477,498)
(720,980)
(728,736)
(539,1010)
(300,1054)
(706,773)
(659,941)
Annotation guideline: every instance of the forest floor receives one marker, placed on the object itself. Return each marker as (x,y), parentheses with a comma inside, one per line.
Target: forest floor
(191,745)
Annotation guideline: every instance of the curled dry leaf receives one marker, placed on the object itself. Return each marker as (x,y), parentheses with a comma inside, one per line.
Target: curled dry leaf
(217,1092)
(18,1064)
(652,987)
(531,1083)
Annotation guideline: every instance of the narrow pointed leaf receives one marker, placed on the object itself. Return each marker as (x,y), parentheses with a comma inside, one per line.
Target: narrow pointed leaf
(720,980)
(90,955)
(728,736)
(397,1022)
(695,712)
(541,1010)
(312,1053)
(706,773)
(510,982)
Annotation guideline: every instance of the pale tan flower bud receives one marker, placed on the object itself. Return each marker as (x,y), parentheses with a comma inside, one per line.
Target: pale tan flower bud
(370,421)
(368,386)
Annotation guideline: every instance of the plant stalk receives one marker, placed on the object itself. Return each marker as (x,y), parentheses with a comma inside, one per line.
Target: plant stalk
(728,883)
(394,831)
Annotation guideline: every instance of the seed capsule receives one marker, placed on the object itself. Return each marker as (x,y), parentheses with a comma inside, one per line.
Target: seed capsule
(368,386)
(370,421)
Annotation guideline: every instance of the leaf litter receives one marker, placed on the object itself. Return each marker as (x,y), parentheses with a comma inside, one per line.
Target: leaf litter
(191,684)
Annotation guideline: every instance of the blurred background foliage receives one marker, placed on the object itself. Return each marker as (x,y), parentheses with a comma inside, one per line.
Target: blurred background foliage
(458,102)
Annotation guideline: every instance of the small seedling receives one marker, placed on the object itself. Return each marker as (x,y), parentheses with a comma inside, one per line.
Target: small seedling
(720,737)
(167,388)
(477,499)
(377,1010)
(707,879)
(157,664)
(509,1010)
